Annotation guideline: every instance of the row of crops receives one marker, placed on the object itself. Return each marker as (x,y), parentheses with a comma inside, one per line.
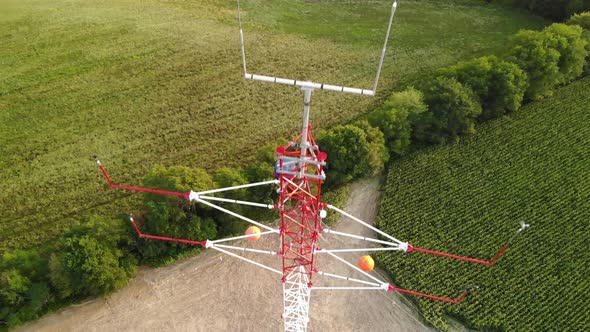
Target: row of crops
(468,198)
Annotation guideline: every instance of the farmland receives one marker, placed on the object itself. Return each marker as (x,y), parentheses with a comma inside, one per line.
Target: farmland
(158,82)
(468,198)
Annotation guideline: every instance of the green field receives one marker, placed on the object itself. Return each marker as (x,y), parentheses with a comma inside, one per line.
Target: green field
(159,82)
(468,198)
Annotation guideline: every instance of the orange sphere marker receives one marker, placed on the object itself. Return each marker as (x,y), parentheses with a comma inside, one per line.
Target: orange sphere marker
(253,230)
(366,263)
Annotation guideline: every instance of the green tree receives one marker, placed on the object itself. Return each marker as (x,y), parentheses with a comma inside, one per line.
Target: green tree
(231,177)
(453,110)
(583,20)
(378,155)
(176,178)
(568,41)
(88,260)
(348,153)
(499,85)
(533,53)
(395,118)
(23,286)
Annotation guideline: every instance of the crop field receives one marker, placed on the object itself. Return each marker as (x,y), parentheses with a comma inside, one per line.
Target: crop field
(468,198)
(139,83)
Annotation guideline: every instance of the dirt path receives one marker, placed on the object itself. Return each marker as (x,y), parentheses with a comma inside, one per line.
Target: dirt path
(214,292)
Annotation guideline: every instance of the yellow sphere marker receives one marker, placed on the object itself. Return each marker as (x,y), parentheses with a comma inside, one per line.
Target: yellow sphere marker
(253,230)
(366,263)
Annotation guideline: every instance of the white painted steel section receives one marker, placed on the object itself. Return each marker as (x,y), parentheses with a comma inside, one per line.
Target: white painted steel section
(393,8)
(237,215)
(296,296)
(309,85)
(364,224)
(346,288)
(323,251)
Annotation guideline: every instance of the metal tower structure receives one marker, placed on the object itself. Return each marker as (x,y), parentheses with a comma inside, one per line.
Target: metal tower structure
(299,176)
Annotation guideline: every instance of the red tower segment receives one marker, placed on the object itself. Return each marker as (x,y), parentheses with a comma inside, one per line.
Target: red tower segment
(300,171)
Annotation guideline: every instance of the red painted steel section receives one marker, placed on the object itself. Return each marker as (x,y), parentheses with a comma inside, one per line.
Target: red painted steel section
(165,238)
(141,189)
(461,258)
(299,206)
(428,296)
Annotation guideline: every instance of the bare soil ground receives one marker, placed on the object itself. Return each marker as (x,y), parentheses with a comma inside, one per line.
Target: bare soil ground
(215,292)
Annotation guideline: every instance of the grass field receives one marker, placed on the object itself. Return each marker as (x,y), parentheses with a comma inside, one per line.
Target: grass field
(467,198)
(159,82)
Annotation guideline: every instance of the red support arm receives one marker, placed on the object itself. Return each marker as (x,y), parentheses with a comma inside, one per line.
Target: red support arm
(461,258)
(141,189)
(165,238)
(428,296)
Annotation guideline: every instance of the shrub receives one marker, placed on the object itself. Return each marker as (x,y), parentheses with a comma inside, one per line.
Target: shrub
(532,52)
(378,154)
(568,41)
(89,261)
(176,178)
(395,116)
(348,153)
(499,85)
(583,20)
(24,292)
(453,109)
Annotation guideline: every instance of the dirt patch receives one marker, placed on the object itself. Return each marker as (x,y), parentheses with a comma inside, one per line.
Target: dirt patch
(215,292)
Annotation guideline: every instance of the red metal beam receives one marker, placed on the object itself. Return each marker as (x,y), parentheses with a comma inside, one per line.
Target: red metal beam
(184,195)
(428,296)
(457,257)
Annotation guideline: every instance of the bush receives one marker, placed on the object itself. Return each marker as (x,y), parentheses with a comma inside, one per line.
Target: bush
(453,110)
(568,41)
(89,261)
(556,10)
(176,178)
(583,20)
(24,292)
(378,154)
(533,53)
(499,85)
(394,118)
(348,152)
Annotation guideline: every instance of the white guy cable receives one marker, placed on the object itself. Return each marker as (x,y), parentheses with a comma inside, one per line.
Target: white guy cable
(237,215)
(364,224)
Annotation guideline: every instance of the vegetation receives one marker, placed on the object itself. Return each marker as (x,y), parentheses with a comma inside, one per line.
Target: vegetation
(160,87)
(583,20)
(161,84)
(499,85)
(453,109)
(395,117)
(467,198)
(89,261)
(557,10)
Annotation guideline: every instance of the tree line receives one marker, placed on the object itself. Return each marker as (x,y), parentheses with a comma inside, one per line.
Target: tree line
(555,10)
